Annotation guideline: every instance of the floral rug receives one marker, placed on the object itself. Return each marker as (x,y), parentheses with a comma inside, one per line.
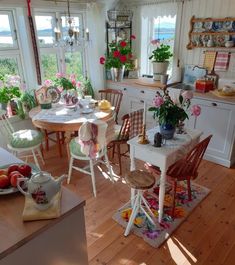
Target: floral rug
(155,235)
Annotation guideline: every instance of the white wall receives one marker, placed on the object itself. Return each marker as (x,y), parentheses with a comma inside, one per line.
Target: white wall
(202,9)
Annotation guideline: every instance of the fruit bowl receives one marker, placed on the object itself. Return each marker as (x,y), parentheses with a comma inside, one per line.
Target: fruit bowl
(12,177)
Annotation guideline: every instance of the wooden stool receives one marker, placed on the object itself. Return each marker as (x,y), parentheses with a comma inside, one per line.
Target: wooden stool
(139,181)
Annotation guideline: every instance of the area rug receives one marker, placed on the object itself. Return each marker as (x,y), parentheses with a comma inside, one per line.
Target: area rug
(155,235)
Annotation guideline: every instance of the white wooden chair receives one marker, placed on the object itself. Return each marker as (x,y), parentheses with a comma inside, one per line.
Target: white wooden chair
(22,141)
(76,153)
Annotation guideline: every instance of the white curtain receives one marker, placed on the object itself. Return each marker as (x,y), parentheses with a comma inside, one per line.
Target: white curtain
(97,45)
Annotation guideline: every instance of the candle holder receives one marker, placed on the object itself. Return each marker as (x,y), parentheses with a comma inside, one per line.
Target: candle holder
(143,139)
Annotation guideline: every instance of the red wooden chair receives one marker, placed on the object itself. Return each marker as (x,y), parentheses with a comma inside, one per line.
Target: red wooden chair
(184,169)
(114,96)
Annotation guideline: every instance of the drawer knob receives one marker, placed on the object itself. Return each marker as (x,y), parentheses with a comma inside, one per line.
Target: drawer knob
(214,104)
(142,91)
(142,101)
(124,88)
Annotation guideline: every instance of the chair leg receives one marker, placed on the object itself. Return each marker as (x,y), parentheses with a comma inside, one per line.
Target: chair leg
(119,159)
(58,142)
(189,189)
(93,177)
(70,169)
(133,215)
(46,140)
(35,159)
(41,155)
(108,166)
(173,204)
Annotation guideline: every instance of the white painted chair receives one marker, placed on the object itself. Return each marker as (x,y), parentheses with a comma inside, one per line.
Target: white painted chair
(76,152)
(23,141)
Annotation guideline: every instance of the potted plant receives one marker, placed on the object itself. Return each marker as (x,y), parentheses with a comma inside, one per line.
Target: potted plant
(171,114)
(160,59)
(119,57)
(25,103)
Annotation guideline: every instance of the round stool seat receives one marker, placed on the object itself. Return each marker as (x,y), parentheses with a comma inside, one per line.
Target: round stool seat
(140,180)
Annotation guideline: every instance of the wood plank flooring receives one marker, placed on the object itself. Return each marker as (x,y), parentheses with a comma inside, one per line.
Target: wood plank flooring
(206,237)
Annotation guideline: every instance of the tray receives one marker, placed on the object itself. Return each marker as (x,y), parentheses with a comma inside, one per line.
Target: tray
(11,189)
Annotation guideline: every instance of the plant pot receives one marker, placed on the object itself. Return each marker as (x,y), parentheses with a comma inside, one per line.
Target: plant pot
(117,73)
(167,131)
(159,68)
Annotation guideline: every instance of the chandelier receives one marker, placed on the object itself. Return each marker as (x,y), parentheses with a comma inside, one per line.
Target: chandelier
(73,35)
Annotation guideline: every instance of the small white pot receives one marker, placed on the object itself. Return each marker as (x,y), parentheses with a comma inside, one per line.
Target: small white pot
(159,68)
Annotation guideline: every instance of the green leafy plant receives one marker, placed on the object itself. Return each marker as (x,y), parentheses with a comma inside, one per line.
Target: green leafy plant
(166,111)
(161,54)
(120,54)
(25,103)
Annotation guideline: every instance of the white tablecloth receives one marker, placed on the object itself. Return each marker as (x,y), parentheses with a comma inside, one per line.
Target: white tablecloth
(7,158)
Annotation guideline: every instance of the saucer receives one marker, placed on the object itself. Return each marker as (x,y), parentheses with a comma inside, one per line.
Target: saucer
(87,111)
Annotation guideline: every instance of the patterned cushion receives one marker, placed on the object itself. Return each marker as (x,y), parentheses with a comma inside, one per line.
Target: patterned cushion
(75,148)
(26,138)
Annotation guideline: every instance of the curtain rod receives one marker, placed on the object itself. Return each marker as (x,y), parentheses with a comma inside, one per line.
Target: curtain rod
(155,2)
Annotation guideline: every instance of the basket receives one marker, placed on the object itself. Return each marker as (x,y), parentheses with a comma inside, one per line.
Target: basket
(120,15)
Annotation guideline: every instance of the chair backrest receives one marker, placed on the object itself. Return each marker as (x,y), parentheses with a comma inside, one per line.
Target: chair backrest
(136,122)
(125,128)
(188,166)
(114,96)
(40,92)
(6,126)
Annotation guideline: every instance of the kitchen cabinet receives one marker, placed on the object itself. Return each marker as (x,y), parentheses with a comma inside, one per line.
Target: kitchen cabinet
(217,118)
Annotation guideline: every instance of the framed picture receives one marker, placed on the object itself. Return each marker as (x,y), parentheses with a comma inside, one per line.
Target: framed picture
(213,77)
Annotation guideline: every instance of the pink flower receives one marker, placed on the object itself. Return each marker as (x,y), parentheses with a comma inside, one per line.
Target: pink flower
(72,77)
(188,94)
(73,81)
(48,82)
(130,55)
(122,58)
(78,85)
(59,75)
(196,110)
(158,101)
(133,37)
(123,43)
(102,60)
(116,54)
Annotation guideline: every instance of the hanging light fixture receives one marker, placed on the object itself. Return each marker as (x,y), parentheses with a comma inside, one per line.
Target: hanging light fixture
(73,37)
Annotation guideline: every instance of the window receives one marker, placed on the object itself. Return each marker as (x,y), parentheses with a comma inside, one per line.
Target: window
(58,57)
(10,62)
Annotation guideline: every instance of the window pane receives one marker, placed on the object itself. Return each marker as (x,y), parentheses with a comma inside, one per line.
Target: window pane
(73,62)
(49,65)
(6,36)
(45,31)
(9,66)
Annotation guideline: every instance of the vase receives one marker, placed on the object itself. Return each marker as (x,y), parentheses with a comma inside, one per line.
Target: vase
(117,73)
(159,68)
(167,131)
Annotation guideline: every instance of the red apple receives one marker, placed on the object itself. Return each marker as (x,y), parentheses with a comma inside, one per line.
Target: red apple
(14,175)
(4,181)
(12,168)
(25,170)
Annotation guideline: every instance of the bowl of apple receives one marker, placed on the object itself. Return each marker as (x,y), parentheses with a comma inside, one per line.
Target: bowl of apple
(9,175)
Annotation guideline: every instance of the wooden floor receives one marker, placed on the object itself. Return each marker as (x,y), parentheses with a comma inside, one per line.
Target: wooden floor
(206,237)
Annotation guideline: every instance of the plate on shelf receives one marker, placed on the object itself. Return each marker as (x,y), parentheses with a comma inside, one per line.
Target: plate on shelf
(227,25)
(207,25)
(197,27)
(54,93)
(217,26)
(233,26)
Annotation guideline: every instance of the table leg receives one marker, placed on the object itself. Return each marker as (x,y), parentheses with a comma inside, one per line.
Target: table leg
(162,193)
(67,140)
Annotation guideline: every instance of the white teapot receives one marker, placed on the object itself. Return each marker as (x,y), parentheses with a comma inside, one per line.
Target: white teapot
(41,187)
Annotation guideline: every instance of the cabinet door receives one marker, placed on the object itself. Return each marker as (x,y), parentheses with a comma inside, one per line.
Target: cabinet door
(217,119)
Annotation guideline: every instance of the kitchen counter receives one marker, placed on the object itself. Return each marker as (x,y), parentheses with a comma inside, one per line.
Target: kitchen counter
(158,86)
(47,242)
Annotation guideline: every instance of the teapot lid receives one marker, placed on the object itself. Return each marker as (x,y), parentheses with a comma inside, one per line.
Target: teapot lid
(41,177)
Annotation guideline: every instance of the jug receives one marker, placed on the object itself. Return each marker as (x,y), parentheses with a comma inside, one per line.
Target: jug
(41,187)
